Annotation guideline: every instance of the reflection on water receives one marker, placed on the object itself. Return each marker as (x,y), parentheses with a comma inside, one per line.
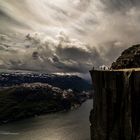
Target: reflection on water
(72,125)
(7,133)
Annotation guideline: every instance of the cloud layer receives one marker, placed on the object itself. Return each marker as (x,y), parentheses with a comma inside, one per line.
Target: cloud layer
(41,53)
(104,28)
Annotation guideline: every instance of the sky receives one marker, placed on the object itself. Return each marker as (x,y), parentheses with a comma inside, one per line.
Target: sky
(66,36)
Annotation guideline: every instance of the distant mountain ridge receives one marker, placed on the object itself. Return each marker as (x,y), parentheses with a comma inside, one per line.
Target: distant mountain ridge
(62,81)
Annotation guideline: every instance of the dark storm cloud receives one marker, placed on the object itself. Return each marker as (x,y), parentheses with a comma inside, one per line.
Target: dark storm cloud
(73,59)
(73,53)
(120,5)
(51,55)
(79,54)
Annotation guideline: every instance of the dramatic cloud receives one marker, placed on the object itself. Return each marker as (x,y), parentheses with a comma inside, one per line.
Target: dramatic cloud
(41,53)
(72,35)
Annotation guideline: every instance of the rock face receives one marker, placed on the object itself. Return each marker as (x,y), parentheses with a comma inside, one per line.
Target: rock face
(129,58)
(116,109)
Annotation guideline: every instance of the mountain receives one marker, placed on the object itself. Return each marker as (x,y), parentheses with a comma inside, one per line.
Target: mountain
(130,58)
(62,81)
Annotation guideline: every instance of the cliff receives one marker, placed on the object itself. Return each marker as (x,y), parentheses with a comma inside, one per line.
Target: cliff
(116,109)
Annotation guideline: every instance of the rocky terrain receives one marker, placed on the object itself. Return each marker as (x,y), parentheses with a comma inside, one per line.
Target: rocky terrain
(115,114)
(27,100)
(130,58)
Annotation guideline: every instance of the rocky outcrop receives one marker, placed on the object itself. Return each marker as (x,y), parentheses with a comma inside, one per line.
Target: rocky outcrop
(116,109)
(129,58)
(28,100)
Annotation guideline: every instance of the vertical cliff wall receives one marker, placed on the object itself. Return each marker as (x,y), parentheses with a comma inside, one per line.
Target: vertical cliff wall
(116,109)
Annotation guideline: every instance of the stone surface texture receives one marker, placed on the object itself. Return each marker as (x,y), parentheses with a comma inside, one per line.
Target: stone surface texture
(130,58)
(116,109)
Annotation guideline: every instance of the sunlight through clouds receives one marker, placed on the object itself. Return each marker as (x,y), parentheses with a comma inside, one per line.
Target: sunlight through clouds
(66,35)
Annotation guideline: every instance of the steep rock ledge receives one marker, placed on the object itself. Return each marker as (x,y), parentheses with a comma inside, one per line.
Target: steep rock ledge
(116,109)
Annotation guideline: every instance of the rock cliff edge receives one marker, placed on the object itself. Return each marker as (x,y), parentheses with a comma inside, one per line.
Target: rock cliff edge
(116,109)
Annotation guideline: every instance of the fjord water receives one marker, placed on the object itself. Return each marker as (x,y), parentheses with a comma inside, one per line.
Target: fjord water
(72,125)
